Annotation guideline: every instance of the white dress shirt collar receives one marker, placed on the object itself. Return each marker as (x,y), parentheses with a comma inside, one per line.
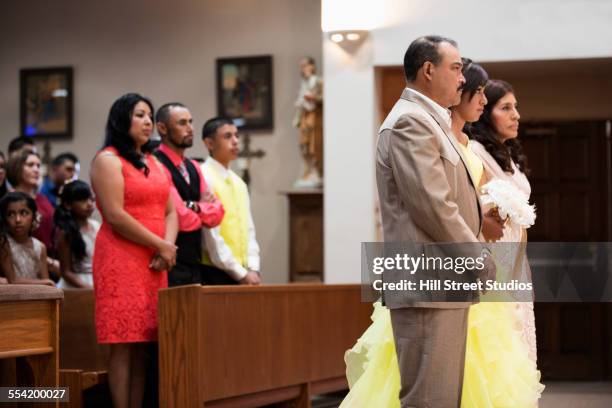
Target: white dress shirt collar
(443,112)
(218,168)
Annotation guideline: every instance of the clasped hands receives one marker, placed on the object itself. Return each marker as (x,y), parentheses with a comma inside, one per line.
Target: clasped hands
(165,258)
(251,278)
(493,225)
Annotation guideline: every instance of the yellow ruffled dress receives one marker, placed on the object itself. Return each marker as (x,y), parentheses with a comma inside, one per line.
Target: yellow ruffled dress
(498,371)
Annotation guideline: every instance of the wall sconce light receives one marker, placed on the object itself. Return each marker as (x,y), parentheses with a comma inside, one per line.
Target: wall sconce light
(348,39)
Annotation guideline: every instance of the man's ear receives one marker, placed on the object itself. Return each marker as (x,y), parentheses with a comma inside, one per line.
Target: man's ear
(209,143)
(161,128)
(428,69)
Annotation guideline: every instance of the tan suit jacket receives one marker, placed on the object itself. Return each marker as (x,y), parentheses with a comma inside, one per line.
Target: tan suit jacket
(426,192)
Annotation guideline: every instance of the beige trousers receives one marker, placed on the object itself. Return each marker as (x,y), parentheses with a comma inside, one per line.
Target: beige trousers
(430,345)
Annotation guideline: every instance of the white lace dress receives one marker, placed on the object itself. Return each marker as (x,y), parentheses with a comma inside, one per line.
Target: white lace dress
(516,234)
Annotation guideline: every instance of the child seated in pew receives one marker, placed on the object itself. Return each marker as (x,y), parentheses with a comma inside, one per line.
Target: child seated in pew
(75,235)
(23,258)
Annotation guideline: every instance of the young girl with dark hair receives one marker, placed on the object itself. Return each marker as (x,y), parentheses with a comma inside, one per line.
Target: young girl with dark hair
(75,235)
(23,258)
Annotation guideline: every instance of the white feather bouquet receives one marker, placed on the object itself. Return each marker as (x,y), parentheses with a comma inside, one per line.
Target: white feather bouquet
(510,202)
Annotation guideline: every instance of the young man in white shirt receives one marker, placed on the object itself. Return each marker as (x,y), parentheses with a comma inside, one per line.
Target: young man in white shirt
(231,252)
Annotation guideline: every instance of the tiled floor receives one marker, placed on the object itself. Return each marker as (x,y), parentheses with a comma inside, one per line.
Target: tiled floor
(577,395)
(556,395)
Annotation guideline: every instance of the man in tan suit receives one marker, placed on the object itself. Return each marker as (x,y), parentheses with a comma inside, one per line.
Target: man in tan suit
(427,196)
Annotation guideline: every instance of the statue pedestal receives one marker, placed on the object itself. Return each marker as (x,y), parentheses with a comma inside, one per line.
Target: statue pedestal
(310,184)
(309,181)
(305,234)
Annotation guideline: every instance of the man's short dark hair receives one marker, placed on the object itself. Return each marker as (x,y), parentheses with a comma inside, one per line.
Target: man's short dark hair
(64,157)
(163,113)
(210,127)
(18,143)
(421,50)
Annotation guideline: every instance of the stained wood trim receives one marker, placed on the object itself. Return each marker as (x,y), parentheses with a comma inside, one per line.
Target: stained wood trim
(329,385)
(91,378)
(26,352)
(257,399)
(294,287)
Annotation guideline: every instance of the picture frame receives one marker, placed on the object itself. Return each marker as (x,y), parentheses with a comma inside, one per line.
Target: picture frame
(46,102)
(245,91)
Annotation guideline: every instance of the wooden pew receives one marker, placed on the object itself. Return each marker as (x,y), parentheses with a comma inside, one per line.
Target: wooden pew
(238,346)
(83,362)
(29,334)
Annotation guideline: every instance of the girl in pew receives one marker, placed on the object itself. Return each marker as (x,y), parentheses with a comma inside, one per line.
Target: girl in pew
(22,257)
(75,235)
(23,173)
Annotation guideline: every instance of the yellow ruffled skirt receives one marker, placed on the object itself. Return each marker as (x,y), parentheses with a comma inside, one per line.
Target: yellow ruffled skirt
(498,370)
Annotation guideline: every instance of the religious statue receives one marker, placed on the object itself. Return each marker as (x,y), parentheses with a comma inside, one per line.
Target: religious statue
(309,120)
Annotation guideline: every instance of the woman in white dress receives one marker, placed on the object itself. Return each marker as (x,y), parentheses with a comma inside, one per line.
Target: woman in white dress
(494,140)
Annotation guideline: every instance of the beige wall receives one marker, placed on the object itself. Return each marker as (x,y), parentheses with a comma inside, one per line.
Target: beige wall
(559,89)
(167,51)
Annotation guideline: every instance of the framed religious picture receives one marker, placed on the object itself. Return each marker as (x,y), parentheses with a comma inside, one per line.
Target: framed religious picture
(244,91)
(45,102)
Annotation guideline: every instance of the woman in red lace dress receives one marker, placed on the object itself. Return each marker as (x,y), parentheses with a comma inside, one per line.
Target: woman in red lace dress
(135,245)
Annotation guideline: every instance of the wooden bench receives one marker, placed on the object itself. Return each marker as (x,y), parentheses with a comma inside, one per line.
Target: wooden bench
(29,340)
(238,346)
(83,362)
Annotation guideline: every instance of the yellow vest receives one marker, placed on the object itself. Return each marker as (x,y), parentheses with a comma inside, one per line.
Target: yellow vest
(234,228)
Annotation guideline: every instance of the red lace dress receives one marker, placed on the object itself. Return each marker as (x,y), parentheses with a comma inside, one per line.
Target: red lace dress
(125,287)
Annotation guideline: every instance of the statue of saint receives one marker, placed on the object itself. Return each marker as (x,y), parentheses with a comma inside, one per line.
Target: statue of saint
(309,120)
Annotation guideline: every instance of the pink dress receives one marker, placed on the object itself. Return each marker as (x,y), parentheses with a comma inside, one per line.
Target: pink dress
(125,287)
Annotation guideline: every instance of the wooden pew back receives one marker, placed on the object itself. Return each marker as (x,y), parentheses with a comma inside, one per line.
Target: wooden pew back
(29,339)
(79,348)
(249,346)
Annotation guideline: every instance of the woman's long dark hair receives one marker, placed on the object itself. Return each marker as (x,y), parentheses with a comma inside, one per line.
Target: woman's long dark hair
(118,130)
(9,198)
(64,220)
(484,132)
(475,76)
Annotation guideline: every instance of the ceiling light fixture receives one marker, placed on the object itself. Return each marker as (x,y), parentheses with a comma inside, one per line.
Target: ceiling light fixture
(350,40)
